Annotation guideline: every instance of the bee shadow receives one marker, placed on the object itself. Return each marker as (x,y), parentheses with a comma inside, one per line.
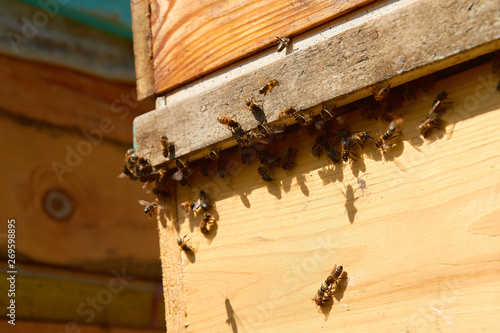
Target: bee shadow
(301,181)
(358,165)
(190,255)
(326,309)
(331,174)
(349,203)
(274,188)
(339,291)
(231,321)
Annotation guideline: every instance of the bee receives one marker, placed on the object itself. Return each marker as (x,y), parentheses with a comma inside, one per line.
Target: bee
(317,146)
(201,202)
(184,246)
(167,147)
(347,144)
(254,107)
(245,158)
(213,154)
(187,206)
(265,129)
(131,157)
(332,154)
(231,123)
(360,138)
(268,160)
(301,119)
(207,221)
(221,170)
(126,172)
(324,294)
(286,113)
(286,163)
(182,175)
(429,123)
(151,207)
(244,139)
(334,276)
(381,94)
(181,164)
(282,43)
(395,129)
(268,87)
(325,113)
(263,174)
(204,171)
(437,105)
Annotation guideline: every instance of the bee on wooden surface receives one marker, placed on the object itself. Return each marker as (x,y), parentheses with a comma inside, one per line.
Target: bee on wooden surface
(167,147)
(347,144)
(244,139)
(360,138)
(395,129)
(286,113)
(381,94)
(202,202)
(429,123)
(207,223)
(221,169)
(322,297)
(302,119)
(265,159)
(280,133)
(286,161)
(317,146)
(181,164)
(325,112)
(245,158)
(282,43)
(263,174)
(439,102)
(332,154)
(334,276)
(151,207)
(187,206)
(231,123)
(268,87)
(265,128)
(182,242)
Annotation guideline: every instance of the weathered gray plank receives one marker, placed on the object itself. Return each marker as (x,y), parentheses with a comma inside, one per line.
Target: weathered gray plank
(396,43)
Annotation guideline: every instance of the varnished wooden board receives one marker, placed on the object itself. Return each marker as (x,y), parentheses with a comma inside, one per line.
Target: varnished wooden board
(60,96)
(193,38)
(113,298)
(105,227)
(342,66)
(418,243)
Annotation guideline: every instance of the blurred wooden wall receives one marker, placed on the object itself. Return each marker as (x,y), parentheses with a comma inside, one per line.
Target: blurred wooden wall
(86,255)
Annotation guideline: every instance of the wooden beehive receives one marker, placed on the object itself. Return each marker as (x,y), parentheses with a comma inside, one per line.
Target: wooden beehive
(414,228)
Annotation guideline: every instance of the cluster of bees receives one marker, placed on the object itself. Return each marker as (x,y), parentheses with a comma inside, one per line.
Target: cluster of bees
(337,143)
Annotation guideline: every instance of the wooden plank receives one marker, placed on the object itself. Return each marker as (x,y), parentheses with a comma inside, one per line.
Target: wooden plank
(29,327)
(70,206)
(114,298)
(419,242)
(344,64)
(193,38)
(66,98)
(46,36)
(141,27)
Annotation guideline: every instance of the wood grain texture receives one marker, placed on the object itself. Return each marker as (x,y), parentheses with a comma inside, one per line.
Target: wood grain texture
(141,28)
(418,243)
(59,96)
(114,298)
(339,69)
(106,227)
(193,38)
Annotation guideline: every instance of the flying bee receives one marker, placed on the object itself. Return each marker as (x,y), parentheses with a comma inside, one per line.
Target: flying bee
(151,207)
(187,206)
(207,223)
(347,145)
(395,129)
(429,123)
(286,163)
(201,202)
(381,94)
(263,174)
(286,113)
(231,123)
(268,87)
(182,242)
(360,138)
(301,119)
(282,43)
(168,148)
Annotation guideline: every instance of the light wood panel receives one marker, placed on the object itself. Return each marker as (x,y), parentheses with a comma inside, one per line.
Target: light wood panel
(113,298)
(193,38)
(342,66)
(105,226)
(419,244)
(59,96)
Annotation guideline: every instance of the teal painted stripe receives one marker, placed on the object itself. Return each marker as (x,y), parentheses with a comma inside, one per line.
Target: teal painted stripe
(111,16)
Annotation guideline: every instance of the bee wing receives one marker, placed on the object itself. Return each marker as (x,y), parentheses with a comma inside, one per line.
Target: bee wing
(197,205)
(162,206)
(122,175)
(143,202)
(178,175)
